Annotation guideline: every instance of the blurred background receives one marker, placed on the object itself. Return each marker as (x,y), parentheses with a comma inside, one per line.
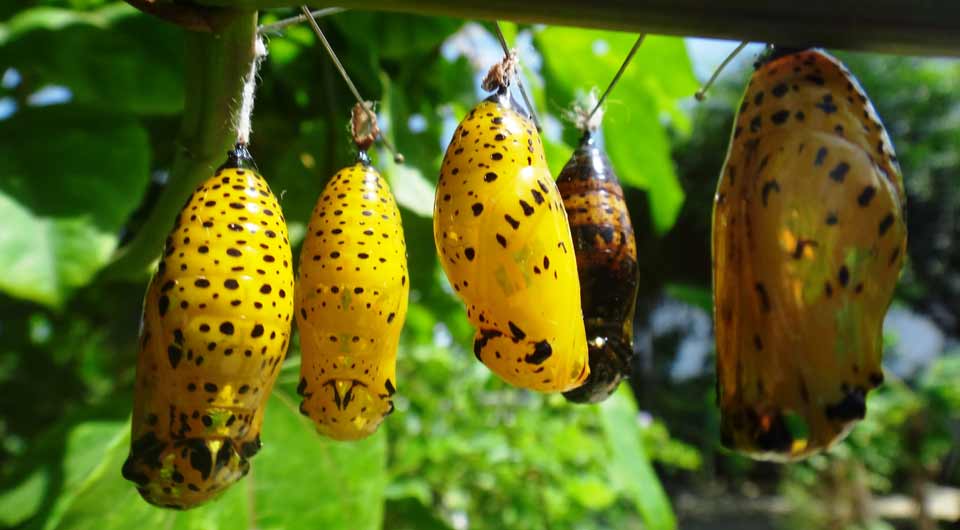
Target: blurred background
(91,98)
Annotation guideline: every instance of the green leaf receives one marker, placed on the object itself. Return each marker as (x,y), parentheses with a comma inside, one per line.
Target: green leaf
(939,382)
(591,492)
(93,494)
(69,178)
(45,258)
(629,467)
(54,19)
(648,92)
(410,514)
(300,170)
(694,295)
(298,480)
(640,153)
(18,504)
(303,480)
(558,154)
(114,58)
(410,188)
(509,29)
(667,73)
(398,36)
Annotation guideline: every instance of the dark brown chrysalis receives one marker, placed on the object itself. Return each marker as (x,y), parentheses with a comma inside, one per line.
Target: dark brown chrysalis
(607,264)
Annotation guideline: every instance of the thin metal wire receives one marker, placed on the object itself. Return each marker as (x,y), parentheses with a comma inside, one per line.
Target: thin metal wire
(279,25)
(397,157)
(523,90)
(702,93)
(616,78)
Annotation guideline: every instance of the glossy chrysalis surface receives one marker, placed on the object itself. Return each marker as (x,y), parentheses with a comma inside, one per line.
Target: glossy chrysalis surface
(215,328)
(505,245)
(606,254)
(351,304)
(809,237)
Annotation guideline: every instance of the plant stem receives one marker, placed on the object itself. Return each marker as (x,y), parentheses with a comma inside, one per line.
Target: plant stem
(213,78)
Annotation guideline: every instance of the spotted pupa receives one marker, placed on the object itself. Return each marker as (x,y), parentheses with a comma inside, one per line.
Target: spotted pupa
(352,299)
(505,246)
(215,328)
(809,236)
(606,254)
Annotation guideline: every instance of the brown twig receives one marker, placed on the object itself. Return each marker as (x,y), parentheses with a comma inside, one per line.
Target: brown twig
(188,16)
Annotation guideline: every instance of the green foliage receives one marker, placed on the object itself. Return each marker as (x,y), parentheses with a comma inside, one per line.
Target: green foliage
(906,439)
(64,201)
(462,449)
(99,55)
(906,434)
(298,480)
(69,172)
(917,100)
(461,444)
(629,466)
(647,93)
(500,457)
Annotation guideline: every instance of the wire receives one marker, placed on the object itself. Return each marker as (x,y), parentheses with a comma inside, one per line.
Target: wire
(279,25)
(523,91)
(702,93)
(616,78)
(397,157)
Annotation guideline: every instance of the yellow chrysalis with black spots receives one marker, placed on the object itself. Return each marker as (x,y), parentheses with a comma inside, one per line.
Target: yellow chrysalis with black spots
(809,236)
(505,245)
(351,304)
(215,328)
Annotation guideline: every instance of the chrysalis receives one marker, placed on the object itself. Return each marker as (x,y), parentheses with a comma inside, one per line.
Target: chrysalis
(606,253)
(351,303)
(809,237)
(216,323)
(505,245)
